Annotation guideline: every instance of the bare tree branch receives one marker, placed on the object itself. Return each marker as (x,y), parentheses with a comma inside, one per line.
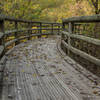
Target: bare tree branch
(94,3)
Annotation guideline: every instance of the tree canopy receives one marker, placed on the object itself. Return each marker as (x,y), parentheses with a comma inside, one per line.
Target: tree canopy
(51,10)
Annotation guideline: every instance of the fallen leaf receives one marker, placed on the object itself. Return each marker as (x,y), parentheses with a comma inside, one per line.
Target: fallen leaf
(34,75)
(23,70)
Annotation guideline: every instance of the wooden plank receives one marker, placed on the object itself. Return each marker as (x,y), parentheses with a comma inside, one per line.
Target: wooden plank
(44,75)
(84,38)
(94,18)
(82,54)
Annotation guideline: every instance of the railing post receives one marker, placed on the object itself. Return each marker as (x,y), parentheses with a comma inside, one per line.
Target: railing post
(29,31)
(63,28)
(16,33)
(70,27)
(52,29)
(58,29)
(2,29)
(40,31)
(41,28)
(63,37)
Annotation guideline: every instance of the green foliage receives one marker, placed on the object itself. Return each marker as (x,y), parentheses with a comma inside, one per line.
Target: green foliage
(44,10)
(95,4)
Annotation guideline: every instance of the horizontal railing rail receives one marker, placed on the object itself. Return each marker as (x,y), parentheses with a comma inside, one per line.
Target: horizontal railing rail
(84,38)
(7,18)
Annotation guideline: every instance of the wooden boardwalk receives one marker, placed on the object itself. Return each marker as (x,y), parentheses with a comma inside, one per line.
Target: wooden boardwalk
(39,70)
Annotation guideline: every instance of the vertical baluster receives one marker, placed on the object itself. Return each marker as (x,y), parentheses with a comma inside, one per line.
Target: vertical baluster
(63,27)
(63,38)
(40,31)
(52,32)
(41,28)
(58,29)
(16,33)
(69,39)
(2,30)
(29,31)
(2,64)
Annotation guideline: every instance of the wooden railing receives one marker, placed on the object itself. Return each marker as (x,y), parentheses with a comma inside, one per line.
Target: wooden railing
(71,43)
(30,29)
(14,31)
(78,44)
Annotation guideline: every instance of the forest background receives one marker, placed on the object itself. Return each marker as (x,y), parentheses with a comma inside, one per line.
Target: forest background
(48,10)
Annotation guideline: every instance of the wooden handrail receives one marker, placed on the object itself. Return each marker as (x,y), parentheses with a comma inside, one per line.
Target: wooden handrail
(41,26)
(32,26)
(71,22)
(94,18)
(8,18)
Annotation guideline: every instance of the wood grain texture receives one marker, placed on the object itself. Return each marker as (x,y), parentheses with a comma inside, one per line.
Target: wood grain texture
(37,71)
